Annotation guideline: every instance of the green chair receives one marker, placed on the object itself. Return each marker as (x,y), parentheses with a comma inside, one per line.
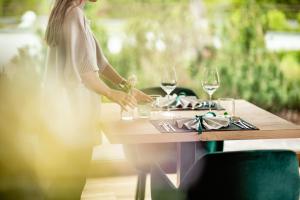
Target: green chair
(164,154)
(241,175)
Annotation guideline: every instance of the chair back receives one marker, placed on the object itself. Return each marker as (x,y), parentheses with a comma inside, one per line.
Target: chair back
(244,175)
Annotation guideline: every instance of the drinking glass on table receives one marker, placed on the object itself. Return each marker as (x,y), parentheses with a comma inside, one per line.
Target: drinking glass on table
(210,82)
(168,82)
(155,106)
(229,105)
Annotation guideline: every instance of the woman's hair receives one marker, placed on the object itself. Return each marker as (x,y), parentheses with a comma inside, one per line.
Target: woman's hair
(56,19)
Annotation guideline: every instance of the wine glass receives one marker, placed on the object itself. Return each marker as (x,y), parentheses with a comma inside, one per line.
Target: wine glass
(168,82)
(210,82)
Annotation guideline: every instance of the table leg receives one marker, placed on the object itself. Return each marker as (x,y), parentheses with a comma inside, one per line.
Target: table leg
(186,153)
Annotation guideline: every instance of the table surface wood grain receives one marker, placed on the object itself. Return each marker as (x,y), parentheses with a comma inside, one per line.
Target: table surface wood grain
(142,131)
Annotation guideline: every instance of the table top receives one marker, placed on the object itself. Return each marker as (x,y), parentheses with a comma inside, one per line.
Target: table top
(142,131)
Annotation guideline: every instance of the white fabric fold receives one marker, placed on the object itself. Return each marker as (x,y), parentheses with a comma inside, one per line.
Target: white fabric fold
(178,101)
(209,122)
(166,101)
(187,101)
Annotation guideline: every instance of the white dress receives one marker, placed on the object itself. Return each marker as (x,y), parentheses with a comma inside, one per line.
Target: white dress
(72,110)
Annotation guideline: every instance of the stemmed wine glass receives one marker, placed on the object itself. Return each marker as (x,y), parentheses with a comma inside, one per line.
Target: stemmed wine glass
(168,82)
(210,82)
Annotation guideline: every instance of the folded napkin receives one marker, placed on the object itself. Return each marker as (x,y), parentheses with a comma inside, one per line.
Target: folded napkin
(208,121)
(180,101)
(166,101)
(187,102)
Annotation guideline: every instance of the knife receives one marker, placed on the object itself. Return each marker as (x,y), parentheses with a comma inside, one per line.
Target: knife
(239,125)
(248,124)
(162,125)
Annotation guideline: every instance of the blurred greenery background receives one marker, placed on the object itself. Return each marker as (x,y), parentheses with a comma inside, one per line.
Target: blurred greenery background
(141,36)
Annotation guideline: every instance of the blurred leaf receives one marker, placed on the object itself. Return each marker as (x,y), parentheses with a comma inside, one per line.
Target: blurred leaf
(290,66)
(276,20)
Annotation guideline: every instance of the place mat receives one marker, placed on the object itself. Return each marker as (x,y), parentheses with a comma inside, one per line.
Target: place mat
(158,124)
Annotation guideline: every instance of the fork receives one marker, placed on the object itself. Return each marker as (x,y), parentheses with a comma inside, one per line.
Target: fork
(248,124)
(245,124)
(238,122)
(170,126)
(164,126)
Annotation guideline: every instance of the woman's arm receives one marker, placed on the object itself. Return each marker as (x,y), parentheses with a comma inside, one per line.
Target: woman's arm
(92,81)
(108,72)
(112,75)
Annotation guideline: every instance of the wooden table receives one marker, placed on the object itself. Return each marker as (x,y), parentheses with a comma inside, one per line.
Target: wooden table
(142,131)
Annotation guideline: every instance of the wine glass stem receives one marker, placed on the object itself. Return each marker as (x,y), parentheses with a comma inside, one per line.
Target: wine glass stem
(168,108)
(210,103)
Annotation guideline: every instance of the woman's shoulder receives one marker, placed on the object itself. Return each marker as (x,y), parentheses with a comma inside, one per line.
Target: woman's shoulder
(74,13)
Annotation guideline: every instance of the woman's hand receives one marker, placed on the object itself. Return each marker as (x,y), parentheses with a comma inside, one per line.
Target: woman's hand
(141,96)
(123,99)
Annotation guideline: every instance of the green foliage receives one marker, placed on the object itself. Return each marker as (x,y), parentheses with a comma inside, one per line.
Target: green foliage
(153,43)
(247,70)
(277,11)
(17,7)
(289,65)
(277,20)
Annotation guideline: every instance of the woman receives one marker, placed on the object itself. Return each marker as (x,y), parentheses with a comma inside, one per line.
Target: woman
(75,61)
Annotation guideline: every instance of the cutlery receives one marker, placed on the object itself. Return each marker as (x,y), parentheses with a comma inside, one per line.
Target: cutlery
(164,126)
(170,126)
(238,122)
(248,124)
(239,125)
(241,122)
